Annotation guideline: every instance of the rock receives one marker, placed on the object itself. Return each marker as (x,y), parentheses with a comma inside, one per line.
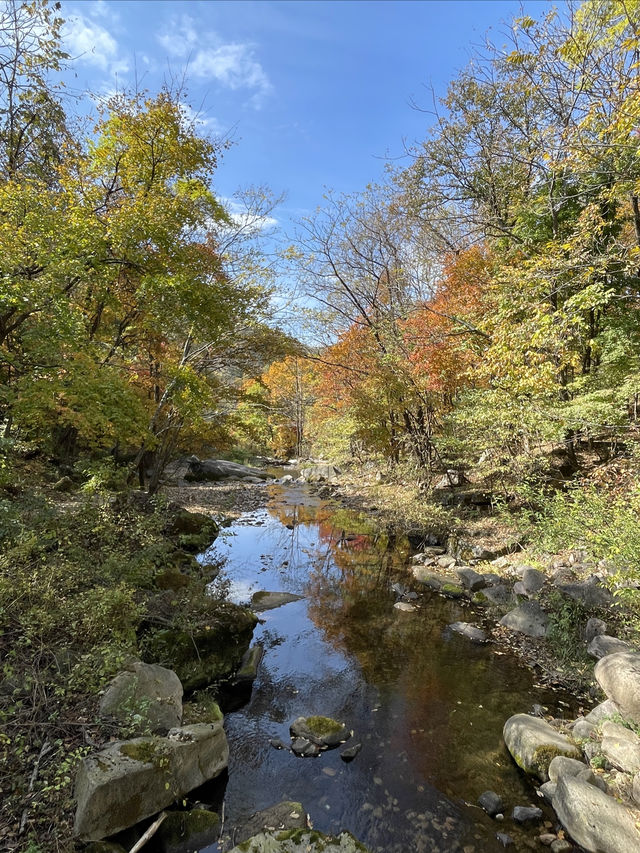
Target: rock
(548,790)
(263,600)
(184,831)
(471,632)
(529,619)
(523,814)
(602,712)
(582,729)
(148,690)
(131,780)
(446,561)
(451,590)
(451,478)
(248,671)
(304,748)
(471,580)
(561,845)
(594,820)
(491,802)
(594,628)
(636,788)
(426,578)
(491,579)
(547,838)
(404,606)
(589,592)
(320,473)
(504,839)
(323,731)
(217,470)
(621,747)
(350,752)
(619,676)
(533,580)
(563,766)
(498,595)
(284,816)
(278,743)
(533,743)
(587,775)
(602,645)
(520,589)
(64,484)
(300,841)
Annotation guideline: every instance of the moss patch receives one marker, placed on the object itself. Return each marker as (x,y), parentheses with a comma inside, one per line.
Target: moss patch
(323,726)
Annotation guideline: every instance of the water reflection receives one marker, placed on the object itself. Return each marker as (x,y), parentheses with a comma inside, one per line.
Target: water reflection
(427,706)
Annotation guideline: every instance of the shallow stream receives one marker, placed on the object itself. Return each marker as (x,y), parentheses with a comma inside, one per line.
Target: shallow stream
(427,705)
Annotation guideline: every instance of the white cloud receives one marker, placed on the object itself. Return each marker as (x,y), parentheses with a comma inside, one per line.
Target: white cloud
(246,219)
(232,64)
(200,119)
(90,42)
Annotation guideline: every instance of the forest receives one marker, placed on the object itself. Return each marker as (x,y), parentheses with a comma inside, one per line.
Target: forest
(476,314)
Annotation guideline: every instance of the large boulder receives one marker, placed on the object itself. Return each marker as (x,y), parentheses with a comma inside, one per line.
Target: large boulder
(132,780)
(533,743)
(149,690)
(590,593)
(300,841)
(602,645)
(619,676)
(217,470)
(529,619)
(593,819)
(621,747)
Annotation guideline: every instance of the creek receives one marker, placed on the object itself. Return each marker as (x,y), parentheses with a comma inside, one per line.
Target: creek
(427,705)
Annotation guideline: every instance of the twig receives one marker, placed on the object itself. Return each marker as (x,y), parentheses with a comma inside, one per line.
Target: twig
(46,746)
(148,834)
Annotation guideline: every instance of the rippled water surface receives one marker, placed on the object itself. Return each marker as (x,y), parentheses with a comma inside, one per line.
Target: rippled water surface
(427,705)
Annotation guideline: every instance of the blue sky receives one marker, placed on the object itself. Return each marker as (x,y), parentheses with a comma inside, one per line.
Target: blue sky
(315,95)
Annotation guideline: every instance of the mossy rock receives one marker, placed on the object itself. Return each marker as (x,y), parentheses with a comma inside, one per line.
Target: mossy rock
(323,731)
(201,708)
(212,651)
(452,590)
(300,841)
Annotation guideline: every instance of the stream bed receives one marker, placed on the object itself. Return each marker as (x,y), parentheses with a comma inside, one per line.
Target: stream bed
(427,705)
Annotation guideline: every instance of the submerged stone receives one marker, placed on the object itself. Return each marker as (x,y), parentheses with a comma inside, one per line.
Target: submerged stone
(284,816)
(183,832)
(264,600)
(300,841)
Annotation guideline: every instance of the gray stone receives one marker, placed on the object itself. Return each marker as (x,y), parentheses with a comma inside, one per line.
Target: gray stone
(561,845)
(603,645)
(300,841)
(621,747)
(446,561)
(520,589)
(594,628)
(404,607)
(603,711)
(548,790)
(533,580)
(619,676)
(131,780)
(533,743)
(636,788)
(529,618)
(491,579)
(350,752)
(248,671)
(426,578)
(471,579)
(593,819)
(498,595)
(217,470)
(304,748)
(471,632)
(563,766)
(148,690)
(582,729)
(547,838)
(504,839)
(589,592)
(591,749)
(491,802)
(263,600)
(320,473)
(283,816)
(523,814)
(587,775)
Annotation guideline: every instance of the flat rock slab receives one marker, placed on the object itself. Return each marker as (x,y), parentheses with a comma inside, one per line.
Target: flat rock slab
(132,780)
(619,676)
(498,594)
(152,691)
(529,619)
(603,711)
(300,841)
(216,470)
(471,632)
(593,819)
(286,815)
(590,593)
(621,747)
(263,600)
(602,645)
(533,744)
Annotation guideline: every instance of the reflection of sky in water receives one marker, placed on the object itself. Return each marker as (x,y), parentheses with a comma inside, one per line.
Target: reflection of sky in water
(427,706)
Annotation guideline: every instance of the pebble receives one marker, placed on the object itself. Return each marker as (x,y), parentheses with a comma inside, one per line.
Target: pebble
(504,839)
